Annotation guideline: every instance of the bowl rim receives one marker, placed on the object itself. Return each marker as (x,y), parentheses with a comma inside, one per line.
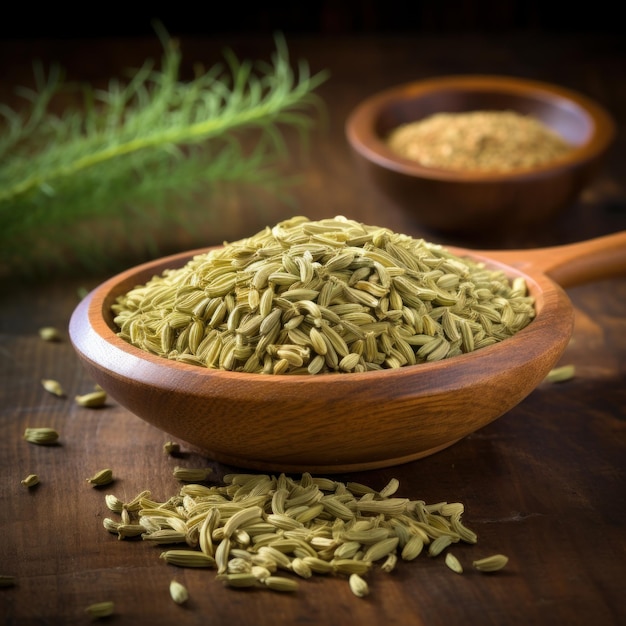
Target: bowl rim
(359,126)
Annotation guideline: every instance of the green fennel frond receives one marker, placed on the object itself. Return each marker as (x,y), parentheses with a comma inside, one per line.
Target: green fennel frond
(141,143)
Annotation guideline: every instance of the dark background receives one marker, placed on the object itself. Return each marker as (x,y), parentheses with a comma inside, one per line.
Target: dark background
(58,20)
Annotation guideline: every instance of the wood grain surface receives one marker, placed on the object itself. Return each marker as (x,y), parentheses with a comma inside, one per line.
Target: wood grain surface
(545,484)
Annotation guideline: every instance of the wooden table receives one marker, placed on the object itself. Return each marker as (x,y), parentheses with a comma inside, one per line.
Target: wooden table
(545,484)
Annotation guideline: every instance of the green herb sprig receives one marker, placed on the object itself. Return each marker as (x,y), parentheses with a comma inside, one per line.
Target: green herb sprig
(136,152)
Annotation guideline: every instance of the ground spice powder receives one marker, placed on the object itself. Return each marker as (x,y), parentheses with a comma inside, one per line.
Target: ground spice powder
(478,140)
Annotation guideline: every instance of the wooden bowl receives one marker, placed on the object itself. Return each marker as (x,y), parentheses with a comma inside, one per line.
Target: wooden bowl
(471,202)
(339,422)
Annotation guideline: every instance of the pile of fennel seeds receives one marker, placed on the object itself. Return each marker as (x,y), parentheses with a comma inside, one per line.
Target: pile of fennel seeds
(322,296)
(262,531)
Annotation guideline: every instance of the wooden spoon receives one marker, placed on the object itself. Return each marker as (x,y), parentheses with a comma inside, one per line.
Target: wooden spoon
(343,422)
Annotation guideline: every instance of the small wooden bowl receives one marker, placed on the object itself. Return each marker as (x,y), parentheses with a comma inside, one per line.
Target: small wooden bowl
(471,202)
(341,422)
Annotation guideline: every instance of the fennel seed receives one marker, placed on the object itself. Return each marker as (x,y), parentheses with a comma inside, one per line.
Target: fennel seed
(6,580)
(239,565)
(53,387)
(178,592)
(171,447)
(92,400)
(187,558)
(439,545)
(49,333)
(103,477)
(358,586)
(100,609)
(390,488)
(192,475)
(301,568)
(31,480)
(390,563)
(280,583)
(245,516)
(381,549)
(114,503)
(453,563)
(561,374)
(260,573)
(165,536)
(110,525)
(413,548)
(42,436)
(350,566)
(125,531)
(317,565)
(239,579)
(491,563)
(347,550)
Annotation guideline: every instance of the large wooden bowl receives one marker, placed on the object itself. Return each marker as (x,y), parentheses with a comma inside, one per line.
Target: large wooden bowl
(340,422)
(470,202)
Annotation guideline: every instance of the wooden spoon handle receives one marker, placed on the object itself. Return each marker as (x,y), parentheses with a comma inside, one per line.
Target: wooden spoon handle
(572,264)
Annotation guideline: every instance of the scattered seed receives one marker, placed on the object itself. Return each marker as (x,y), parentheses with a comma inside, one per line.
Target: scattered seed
(171,447)
(42,436)
(53,387)
(93,399)
(561,374)
(192,475)
(31,480)
(100,610)
(49,333)
(491,563)
(358,586)
(453,563)
(103,477)
(280,583)
(178,592)
(187,558)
